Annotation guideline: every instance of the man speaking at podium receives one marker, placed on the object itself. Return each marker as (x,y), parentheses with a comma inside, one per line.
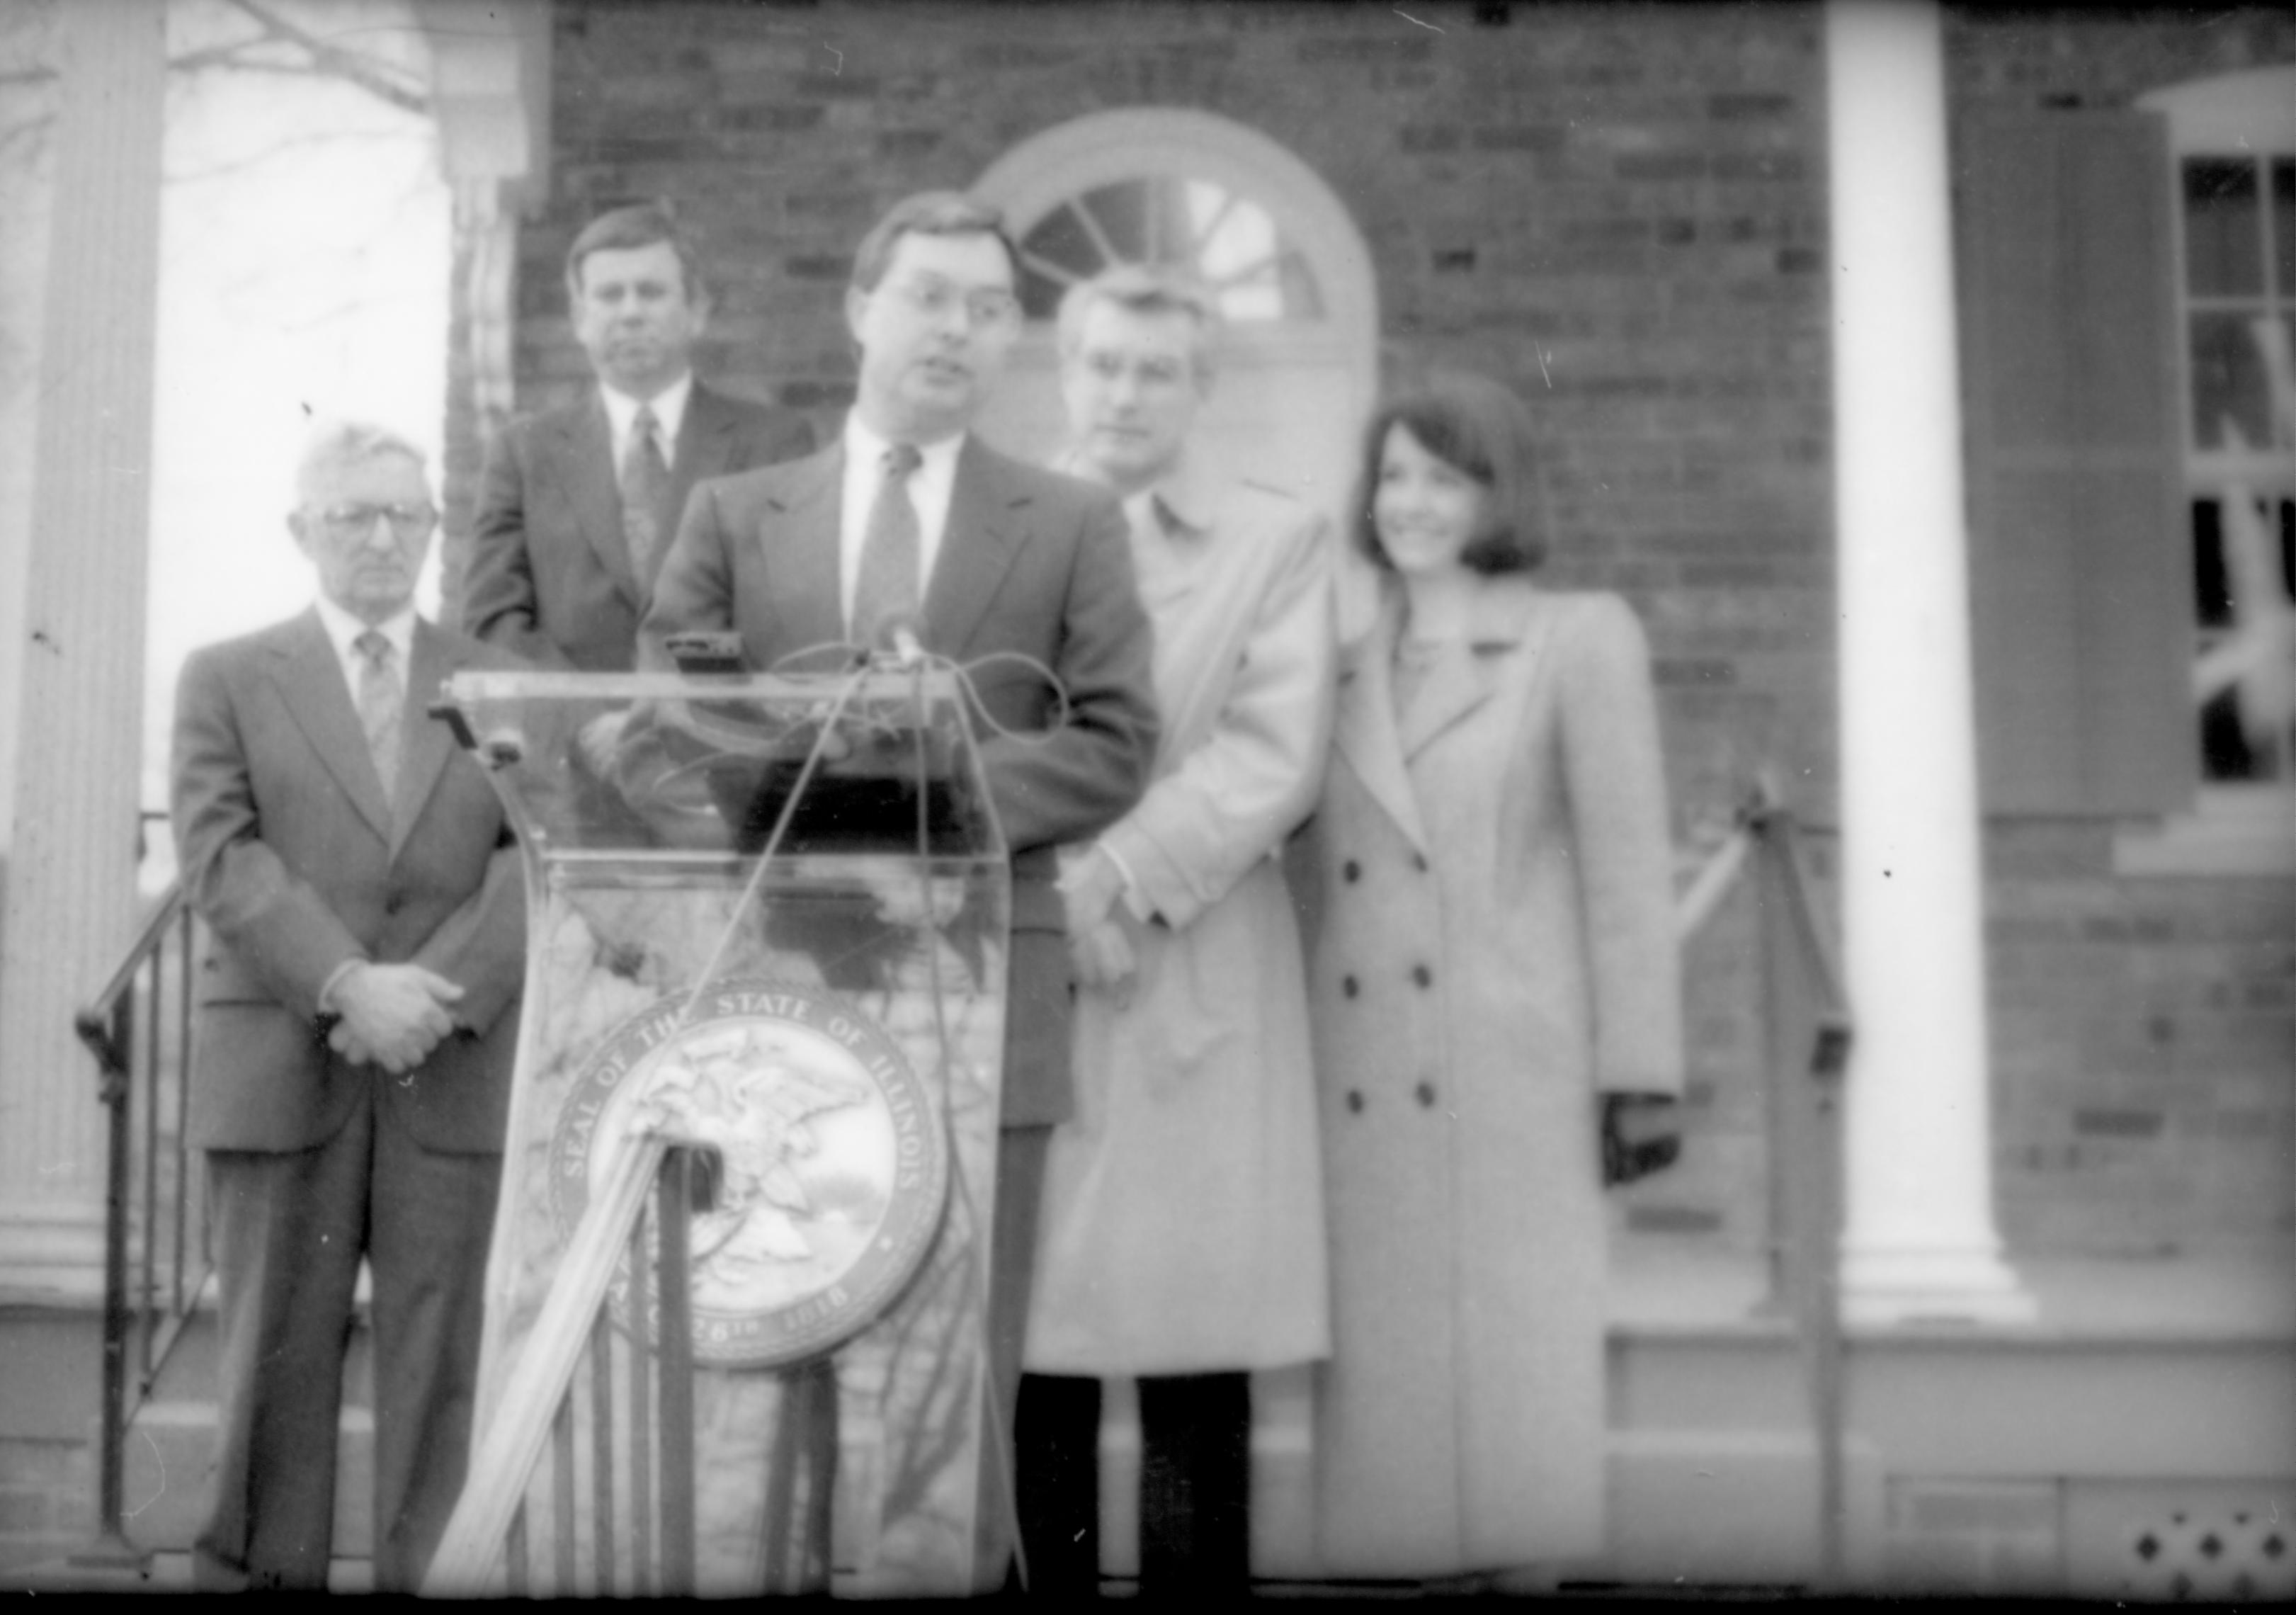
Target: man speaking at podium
(354,1030)
(909,520)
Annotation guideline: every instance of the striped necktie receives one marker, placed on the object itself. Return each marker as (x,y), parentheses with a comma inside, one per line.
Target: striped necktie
(886,586)
(645,480)
(382,702)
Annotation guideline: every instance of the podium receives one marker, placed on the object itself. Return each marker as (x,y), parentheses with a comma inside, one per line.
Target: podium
(736,1294)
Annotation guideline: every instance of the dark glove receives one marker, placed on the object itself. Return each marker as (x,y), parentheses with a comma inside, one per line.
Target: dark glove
(1641,1135)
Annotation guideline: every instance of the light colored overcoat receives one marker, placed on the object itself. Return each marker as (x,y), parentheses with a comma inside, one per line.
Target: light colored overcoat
(1182,1229)
(1494,949)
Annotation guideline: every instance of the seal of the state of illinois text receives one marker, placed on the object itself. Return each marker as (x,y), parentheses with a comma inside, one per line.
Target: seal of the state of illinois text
(833,1162)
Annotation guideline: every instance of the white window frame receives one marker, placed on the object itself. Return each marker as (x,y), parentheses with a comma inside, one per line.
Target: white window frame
(2231,829)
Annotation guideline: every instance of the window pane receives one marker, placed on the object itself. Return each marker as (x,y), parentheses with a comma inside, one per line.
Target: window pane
(2231,404)
(2211,590)
(2223,256)
(2244,590)
(1056,252)
(2284,224)
(1303,299)
(1121,212)
(2224,755)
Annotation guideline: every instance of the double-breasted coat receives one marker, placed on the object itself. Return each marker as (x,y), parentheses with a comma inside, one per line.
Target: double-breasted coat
(1183,1221)
(1496,950)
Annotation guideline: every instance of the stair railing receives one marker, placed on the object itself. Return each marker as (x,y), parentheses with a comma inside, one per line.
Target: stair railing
(1808,1036)
(156,1261)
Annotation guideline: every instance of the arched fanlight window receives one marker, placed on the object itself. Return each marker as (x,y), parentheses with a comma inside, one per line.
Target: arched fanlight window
(1173,186)
(1229,242)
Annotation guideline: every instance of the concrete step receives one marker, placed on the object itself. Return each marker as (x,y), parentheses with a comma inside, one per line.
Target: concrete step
(189,1373)
(169,1572)
(168,1481)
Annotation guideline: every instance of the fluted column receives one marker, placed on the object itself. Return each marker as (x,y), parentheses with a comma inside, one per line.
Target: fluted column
(1920,1241)
(71,901)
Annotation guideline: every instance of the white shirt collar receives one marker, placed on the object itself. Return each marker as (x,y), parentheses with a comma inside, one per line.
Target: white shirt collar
(1177,503)
(668,407)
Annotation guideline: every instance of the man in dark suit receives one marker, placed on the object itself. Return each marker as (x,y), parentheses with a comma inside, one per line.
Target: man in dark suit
(354,1030)
(577,503)
(908,520)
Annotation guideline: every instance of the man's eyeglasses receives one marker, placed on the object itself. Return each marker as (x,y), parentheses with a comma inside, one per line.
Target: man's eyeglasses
(348,521)
(935,298)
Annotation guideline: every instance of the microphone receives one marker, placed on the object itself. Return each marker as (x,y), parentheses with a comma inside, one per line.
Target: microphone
(896,639)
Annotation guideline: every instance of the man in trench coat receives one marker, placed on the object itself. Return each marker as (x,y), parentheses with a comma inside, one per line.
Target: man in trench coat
(1182,1236)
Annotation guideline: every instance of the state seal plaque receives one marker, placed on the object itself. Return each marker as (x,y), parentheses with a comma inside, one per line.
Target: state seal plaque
(833,1160)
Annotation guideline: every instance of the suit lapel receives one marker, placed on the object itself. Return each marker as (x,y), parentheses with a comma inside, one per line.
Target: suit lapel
(799,540)
(585,470)
(1456,684)
(311,682)
(424,744)
(988,525)
(705,449)
(1365,731)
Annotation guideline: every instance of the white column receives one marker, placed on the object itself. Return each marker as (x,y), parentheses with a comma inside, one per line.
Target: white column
(71,902)
(1919,1241)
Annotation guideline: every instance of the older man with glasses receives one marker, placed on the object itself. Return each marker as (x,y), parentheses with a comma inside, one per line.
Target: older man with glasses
(355,1023)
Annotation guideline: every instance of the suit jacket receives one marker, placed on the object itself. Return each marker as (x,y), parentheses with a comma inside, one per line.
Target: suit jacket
(549,576)
(1030,561)
(296,862)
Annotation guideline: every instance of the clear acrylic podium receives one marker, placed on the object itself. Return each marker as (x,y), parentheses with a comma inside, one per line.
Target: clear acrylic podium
(739,1267)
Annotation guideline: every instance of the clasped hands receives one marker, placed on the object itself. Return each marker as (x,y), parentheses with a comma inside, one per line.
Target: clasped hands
(1100,948)
(392,1015)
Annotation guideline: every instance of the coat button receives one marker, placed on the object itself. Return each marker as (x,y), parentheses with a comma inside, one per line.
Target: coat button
(1426,1092)
(1419,862)
(1354,1100)
(393,903)
(1347,985)
(1421,976)
(1351,871)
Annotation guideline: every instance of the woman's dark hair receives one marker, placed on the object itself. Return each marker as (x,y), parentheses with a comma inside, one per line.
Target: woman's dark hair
(1479,428)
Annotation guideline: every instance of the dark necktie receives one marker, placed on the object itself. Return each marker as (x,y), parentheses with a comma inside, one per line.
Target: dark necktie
(382,698)
(645,478)
(887,584)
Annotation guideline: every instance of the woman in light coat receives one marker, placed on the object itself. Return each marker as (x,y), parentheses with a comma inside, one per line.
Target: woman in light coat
(1181,1235)
(1494,975)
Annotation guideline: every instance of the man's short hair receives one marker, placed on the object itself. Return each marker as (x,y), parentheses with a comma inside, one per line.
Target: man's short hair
(627,229)
(339,443)
(929,213)
(1482,430)
(1146,289)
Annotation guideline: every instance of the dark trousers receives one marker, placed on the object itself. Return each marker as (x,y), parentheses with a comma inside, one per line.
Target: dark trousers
(1196,1483)
(289,1231)
(1020,1154)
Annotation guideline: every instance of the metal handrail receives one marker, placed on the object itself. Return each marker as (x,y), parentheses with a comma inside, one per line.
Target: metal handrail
(142,1062)
(1809,1035)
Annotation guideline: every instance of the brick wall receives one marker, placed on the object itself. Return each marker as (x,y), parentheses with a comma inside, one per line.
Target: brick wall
(1620,208)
